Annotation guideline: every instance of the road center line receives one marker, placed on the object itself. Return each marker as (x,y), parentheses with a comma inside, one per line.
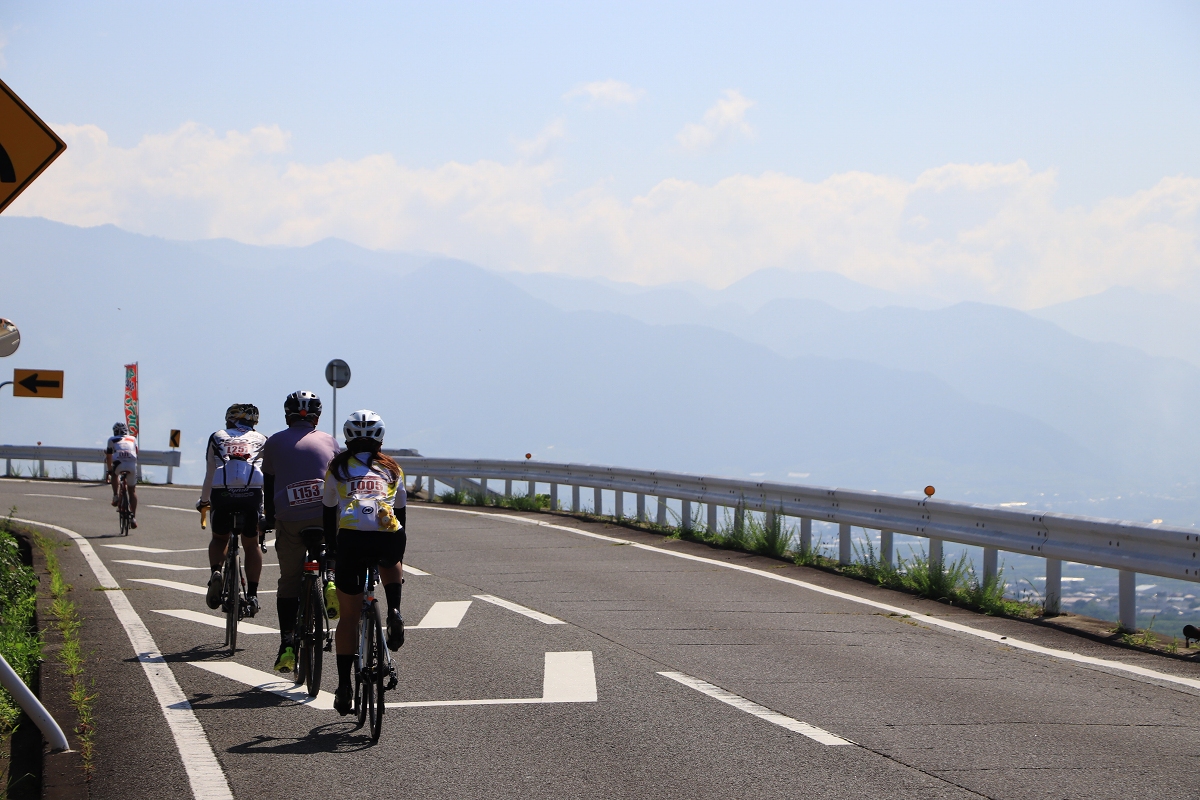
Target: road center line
(444,614)
(213,620)
(204,772)
(1102,664)
(184,587)
(59,496)
(762,712)
(511,606)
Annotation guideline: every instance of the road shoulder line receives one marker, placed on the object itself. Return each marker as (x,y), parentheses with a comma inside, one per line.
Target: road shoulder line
(207,779)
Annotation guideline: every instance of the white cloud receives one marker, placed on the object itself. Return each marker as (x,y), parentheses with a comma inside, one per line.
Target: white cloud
(960,231)
(725,119)
(539,145)
(609,93)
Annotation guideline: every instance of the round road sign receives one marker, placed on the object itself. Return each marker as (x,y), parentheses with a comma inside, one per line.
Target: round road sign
(337,373)
(10,337)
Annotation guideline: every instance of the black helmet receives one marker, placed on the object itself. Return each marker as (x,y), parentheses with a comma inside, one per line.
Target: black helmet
(120,429)
(302,405)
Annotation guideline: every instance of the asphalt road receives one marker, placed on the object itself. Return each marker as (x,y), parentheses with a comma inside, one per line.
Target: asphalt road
(772,689)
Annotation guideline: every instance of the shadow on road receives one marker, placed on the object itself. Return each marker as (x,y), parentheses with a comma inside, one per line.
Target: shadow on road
(333,737)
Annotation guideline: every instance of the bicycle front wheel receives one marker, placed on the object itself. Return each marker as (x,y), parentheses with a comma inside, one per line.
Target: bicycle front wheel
(314,635)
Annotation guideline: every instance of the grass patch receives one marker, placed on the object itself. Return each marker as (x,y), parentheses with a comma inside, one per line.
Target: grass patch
(71,656)
(20,642)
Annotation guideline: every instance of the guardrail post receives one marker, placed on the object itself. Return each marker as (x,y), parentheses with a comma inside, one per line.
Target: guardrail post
(991,565)
(170,474)
(75,472)
(8,467)
(739,518)
(1127,599)
(597,501)
(432,494)
(575,498)
(641,507)
(887,548)
(935,554)
(532,490)
(662,511)
(42,468)
(508,487)
(845,553)
(686,514)
(712,517)
(554,497)
(1053,586)
(769,519)
(618,504)
(483,488)
(805,535)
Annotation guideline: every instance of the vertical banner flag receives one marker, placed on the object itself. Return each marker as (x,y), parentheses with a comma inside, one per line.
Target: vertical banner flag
(131,398)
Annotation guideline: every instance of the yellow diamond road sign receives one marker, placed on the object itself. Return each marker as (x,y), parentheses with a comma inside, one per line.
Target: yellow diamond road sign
(27,146)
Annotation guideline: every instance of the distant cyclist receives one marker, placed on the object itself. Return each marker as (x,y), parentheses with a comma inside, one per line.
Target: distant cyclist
(233,484)
(365,514)
(294,465)
(120,458)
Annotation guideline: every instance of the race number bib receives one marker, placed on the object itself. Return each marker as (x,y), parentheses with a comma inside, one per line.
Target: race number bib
(302,493)
(236,449)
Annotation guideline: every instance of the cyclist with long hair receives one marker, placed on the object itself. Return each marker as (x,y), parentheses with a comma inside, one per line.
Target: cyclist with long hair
(120,457)
(294,463)
(233,486)
(364,500)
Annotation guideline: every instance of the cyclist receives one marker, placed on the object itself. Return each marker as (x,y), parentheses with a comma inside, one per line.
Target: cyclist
(233,484)
(364,513)
(120,457)
(294,464)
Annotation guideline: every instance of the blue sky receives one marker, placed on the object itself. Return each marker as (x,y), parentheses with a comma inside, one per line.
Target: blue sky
(1090,104)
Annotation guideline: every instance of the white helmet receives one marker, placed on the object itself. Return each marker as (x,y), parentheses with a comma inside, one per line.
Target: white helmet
(363,424)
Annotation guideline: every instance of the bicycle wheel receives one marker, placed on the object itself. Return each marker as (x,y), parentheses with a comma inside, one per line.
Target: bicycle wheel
(299,673)
(377,681)
(233,571)
(123,509)
(314,635)
(365,685)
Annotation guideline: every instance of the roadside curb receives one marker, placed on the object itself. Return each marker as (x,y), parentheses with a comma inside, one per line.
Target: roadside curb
(63,777)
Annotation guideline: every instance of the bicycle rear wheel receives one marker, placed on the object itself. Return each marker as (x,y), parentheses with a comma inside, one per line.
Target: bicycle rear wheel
(232,595)
(314,635)
(300,668)
(362,675)
(377,681)
(123,509)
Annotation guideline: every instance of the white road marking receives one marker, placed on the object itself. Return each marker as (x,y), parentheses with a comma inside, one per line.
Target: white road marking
(762,712)
(568,678)
(414,570)
(204,772)
(1102,664)
(269,543)
(173,508)
(529,612)
(213,620)
(444,614)
(274,683)
(185,587)
(139,549)
(158,565)
(59,496)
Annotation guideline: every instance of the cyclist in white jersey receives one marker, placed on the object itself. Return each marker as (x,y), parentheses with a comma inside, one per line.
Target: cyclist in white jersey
(364,514)
(120,457)
(233,484)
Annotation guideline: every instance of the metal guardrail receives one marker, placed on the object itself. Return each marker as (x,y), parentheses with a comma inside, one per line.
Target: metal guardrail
(86,455)
(1131,548)
(32,707)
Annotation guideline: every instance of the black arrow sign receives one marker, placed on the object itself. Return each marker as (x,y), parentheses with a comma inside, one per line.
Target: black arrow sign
(32,384)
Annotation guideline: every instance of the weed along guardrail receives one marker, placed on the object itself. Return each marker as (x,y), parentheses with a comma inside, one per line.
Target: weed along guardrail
(1131,548)
(85,455)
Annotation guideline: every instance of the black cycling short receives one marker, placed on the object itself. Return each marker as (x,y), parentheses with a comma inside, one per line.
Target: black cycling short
(357,551)
(227,502)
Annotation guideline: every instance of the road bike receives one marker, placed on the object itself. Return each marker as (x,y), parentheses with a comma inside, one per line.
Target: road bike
(124,515)
(233,590)
(374,673)
(313,637)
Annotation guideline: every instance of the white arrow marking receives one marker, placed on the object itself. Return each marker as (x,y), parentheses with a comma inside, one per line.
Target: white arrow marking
(214,621)
(59,496)
(267,682)
(184,587)
(158,565)
(569,678)
(762,712)
(444,614)
(139,549)
(414,570)
(529,612)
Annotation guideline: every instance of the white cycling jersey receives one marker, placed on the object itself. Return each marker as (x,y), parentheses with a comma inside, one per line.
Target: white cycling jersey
(122,448)
(234,460)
